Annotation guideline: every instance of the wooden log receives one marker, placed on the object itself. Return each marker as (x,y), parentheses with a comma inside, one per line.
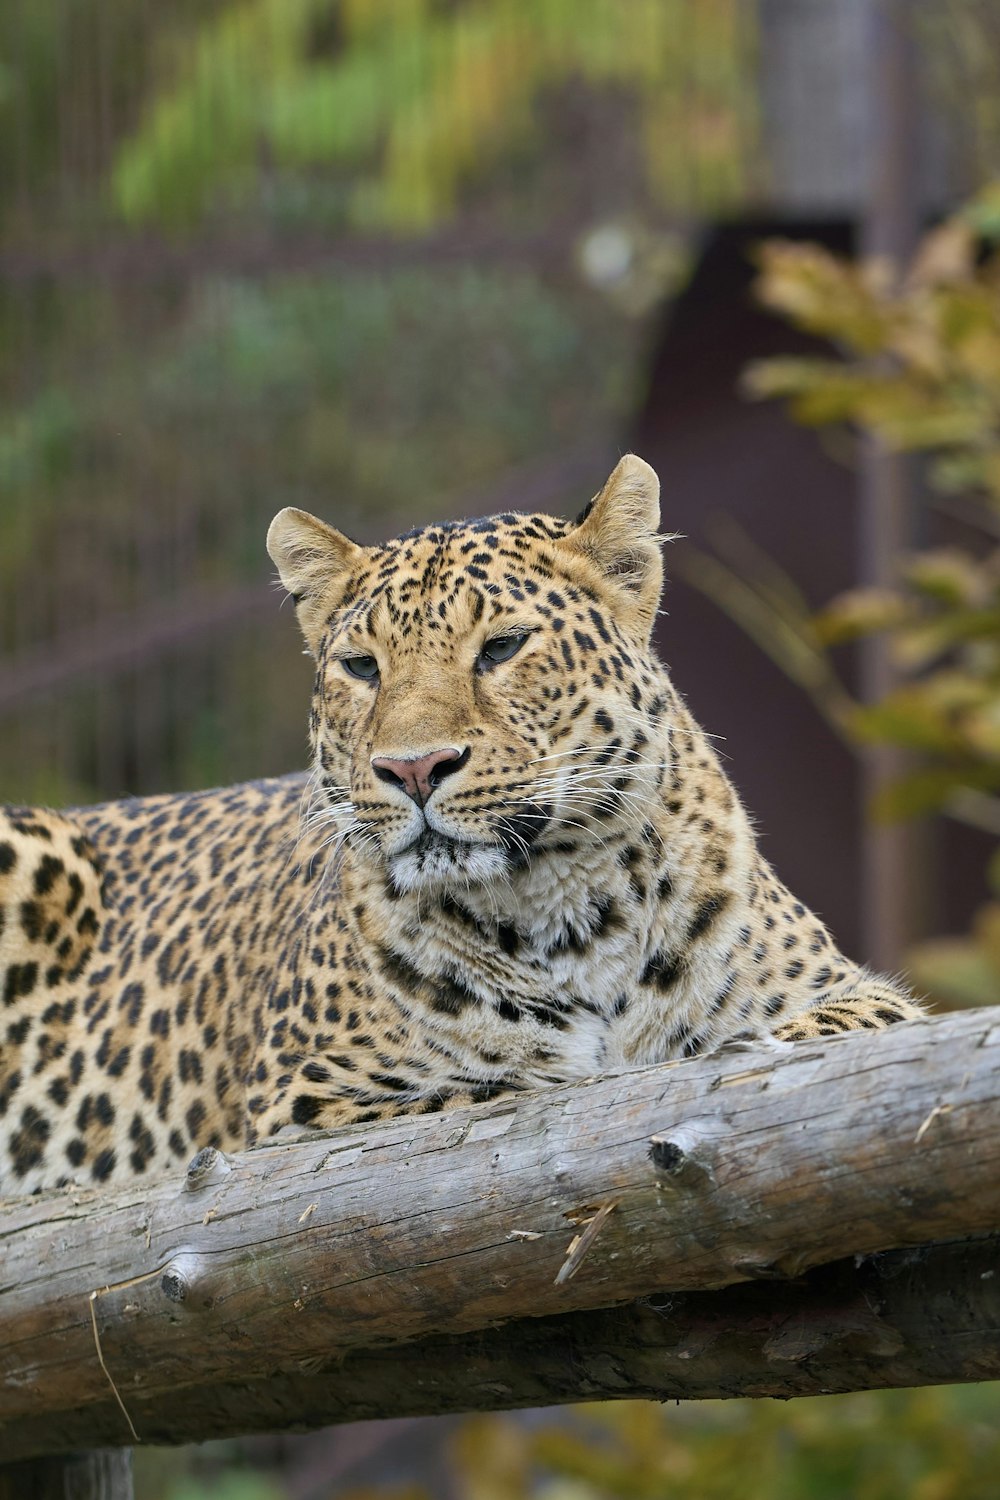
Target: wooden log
(693,1175)
(907,1317)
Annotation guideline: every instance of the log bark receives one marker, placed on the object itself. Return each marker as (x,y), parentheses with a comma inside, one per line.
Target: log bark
(903,1318)
(239,1284)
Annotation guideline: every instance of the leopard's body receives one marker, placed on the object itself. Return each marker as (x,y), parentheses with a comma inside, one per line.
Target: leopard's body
(546,873)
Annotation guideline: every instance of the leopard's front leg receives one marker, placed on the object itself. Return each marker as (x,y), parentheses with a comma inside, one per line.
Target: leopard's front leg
(863,1002)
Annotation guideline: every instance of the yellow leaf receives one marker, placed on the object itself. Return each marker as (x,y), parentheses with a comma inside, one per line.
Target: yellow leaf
(955,971)
(860,612)
(945,254)
(986,928)
(949,574)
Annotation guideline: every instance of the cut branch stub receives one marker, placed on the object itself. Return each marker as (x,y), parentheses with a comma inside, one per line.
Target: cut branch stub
(207,1169)
(686,1157)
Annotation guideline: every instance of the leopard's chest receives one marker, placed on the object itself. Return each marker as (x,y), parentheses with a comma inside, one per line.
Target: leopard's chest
(510,1005)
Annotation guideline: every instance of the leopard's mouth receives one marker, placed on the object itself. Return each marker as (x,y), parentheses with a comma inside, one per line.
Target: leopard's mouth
(438,855)
(436,859)
(430,841)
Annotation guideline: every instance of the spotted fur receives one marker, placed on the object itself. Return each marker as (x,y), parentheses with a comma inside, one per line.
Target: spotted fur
(574,888)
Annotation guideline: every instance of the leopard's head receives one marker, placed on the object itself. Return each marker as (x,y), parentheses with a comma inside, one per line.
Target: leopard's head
(485,690)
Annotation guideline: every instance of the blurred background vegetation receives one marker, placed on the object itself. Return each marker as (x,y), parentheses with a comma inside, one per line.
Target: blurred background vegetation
(397,259)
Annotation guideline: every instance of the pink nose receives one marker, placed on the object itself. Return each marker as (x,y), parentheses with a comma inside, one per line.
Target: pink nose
(418,775)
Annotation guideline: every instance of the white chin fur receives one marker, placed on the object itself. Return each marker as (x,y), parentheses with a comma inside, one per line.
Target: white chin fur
(460,865)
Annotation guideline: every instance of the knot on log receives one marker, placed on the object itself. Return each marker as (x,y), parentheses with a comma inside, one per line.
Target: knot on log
(210,1166)
(186,1280)
(174,1284)
(686,1157)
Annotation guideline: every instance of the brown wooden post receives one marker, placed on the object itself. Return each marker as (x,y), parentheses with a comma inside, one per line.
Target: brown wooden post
(105,1474)
(892,862)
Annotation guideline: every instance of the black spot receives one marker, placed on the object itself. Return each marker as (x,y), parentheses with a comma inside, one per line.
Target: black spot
(305,1109)
(58,1091)
(104,1165)
(663,970)
(607,918)
(316,1072)
(131,1001)
(508,939)
(399,971)
(391,1082)
(189,1066)
(87,925)
(75,893)
(706,914)
(27,1145)
(119,1062)
(481,1093)
(45,876)
(722,998)
(31,920)
(20,980)
(452,994)
(144,1148)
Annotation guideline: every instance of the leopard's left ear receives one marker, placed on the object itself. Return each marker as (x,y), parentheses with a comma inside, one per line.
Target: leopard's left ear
(618,533)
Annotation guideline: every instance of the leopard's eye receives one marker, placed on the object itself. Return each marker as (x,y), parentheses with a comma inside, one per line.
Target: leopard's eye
(365,667)
(501,648)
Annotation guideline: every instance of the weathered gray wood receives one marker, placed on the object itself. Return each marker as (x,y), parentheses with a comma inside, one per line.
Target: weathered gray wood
(102,1475)
(764,1164)
(904,1318)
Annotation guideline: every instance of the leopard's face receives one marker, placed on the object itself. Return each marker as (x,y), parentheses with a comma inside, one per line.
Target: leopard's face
(484,691)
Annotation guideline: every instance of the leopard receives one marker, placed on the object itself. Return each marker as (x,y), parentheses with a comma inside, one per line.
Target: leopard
(515,860)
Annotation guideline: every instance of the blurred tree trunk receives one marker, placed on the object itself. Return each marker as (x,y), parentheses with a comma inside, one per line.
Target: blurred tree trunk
(895,868)
(105,1474)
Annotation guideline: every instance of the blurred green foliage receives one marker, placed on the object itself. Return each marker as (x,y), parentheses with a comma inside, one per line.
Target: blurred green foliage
(356,394)
(917,366)
(934,1444)
(412,98)
(921,354)
(68,74)
(141,472)
(154,413)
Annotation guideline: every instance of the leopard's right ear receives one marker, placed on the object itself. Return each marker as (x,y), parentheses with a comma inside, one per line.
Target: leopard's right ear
(310,558)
